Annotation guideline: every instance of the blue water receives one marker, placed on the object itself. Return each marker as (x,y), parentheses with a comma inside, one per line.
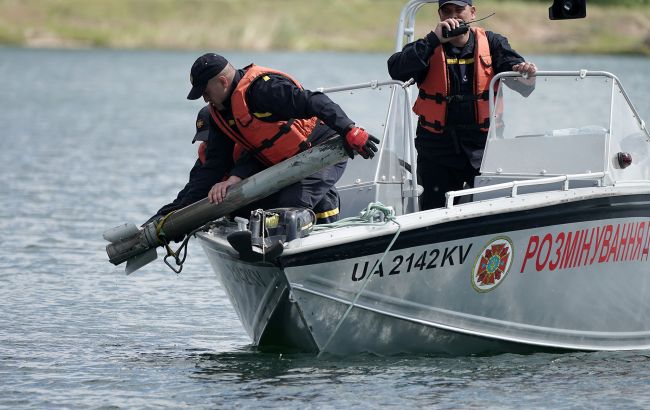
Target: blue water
(91,139)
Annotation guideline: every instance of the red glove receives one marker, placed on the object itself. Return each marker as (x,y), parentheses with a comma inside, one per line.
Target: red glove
(357,139)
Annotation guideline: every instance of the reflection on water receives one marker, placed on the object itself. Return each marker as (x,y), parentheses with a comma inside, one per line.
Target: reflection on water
(92,139)
(540,379)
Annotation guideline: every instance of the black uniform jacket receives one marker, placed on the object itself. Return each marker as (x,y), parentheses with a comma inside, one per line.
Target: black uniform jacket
(455,146)
(284,100)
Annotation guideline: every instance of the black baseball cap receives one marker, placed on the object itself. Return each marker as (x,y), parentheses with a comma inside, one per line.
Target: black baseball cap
(461,3)
(203,69)
(202,127)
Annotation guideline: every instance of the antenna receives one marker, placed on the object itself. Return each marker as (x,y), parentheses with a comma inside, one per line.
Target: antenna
(462,28)
(481,19)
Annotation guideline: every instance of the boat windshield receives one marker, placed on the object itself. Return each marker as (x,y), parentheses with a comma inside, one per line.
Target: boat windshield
(553,106)
(558,126)
(567,123)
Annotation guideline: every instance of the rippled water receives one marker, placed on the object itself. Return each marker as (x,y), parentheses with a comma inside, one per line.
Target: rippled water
(91,139)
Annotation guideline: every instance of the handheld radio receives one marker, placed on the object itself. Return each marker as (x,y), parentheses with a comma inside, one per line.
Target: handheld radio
(461,29)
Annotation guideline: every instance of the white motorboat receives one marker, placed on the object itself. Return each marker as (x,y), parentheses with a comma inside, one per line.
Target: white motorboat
(550,249)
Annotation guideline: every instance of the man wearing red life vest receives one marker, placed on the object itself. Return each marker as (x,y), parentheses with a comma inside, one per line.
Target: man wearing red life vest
(273,118)
(453,76)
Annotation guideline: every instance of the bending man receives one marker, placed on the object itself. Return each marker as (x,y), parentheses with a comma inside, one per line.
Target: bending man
(273,118)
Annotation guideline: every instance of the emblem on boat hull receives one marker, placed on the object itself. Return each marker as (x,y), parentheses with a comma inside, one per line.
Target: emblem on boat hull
(492,265)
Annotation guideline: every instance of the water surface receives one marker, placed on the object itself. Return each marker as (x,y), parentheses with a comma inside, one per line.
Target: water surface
(91,139)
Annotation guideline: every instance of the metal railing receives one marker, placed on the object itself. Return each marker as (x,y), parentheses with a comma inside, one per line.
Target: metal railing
(406,23)
(370,84)
(514,185)
(407,126)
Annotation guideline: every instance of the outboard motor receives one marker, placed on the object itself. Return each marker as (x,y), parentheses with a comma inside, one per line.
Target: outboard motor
(280,224)
(270,230)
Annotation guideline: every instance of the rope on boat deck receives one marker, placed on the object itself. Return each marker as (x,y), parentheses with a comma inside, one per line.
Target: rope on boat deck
(376,211)
(375,214)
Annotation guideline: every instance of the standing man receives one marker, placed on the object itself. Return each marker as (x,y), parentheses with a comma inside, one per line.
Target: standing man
(453,76)
(273,118)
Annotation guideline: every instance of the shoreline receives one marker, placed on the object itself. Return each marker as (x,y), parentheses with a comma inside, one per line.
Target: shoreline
(287,25)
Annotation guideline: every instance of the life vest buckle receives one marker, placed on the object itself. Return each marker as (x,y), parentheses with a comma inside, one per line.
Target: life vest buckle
(286,127)
(245,120)
(438,98)
(436,125)
(266,144)
(455,99)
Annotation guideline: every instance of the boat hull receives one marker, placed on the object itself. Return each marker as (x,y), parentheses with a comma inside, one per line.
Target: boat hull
(259,294)
(571,276)
(273,314)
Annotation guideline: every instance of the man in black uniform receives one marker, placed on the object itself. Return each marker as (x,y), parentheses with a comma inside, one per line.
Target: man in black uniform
(215,159)
(264,109)
(453,76)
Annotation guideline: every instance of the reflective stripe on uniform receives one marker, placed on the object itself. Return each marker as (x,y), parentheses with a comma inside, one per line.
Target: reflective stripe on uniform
(460,61)
(327,214)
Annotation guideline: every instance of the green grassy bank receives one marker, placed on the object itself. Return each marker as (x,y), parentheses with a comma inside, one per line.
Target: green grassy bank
(344,25)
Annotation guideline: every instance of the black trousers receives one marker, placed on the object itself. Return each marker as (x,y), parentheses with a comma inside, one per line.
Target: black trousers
(437,178)
(316,192)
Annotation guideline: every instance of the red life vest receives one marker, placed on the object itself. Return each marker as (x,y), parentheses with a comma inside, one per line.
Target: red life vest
(431,104)
(201,151)
(270,142)
(236,152)
(203,146)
